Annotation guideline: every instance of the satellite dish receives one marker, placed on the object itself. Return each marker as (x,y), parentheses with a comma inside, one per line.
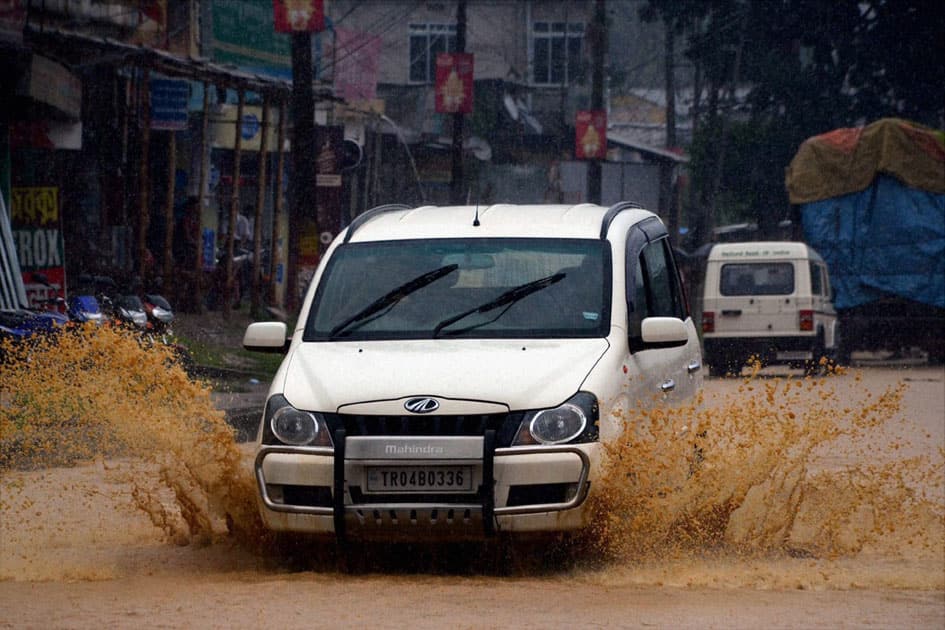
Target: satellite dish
(510,106)
(351,154)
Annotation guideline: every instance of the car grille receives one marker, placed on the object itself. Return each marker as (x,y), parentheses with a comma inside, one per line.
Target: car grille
(505,425)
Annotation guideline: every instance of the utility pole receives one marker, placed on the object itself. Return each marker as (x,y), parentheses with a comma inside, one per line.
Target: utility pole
(598,51)
(667,168)
(456,178)
(303,157)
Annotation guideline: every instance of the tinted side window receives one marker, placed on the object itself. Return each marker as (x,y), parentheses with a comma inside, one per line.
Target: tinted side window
(663,298)
(657,289)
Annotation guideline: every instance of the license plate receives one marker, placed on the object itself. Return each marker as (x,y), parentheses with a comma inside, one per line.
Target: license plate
(794,355)
(420,479)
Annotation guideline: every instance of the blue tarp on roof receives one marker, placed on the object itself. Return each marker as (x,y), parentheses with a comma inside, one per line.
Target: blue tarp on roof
(888,239)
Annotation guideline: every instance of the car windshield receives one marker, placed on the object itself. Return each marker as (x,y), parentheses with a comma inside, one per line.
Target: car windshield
(463,288)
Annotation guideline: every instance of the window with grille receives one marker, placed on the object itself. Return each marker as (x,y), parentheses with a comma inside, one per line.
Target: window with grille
(426,42)
(557,52)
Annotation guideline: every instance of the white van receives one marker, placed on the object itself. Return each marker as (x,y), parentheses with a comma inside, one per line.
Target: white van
(769,301)
(455,370)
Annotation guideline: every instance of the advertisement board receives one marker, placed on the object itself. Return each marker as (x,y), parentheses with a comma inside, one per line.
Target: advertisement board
(169,104)
(36,222)
(244,34)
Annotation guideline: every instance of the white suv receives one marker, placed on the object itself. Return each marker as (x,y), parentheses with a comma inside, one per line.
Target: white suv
(454,370)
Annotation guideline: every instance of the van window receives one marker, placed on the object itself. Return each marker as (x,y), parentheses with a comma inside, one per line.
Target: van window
(775,278)
(419,289)
(816,279)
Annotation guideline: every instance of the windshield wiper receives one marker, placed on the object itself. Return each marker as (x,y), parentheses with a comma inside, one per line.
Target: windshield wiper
(390,299)
(507,299)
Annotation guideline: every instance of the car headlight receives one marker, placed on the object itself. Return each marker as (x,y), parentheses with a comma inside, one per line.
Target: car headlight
(295,427)
(573,421)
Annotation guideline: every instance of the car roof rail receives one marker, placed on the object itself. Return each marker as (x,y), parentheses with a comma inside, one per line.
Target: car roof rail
(367,215)
(612,213)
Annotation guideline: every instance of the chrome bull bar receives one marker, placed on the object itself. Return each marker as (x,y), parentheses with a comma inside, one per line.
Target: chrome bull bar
(487,507)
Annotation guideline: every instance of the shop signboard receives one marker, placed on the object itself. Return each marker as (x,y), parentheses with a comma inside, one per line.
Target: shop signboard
(244,34)
(318,234)
(590,130)
(454,83)
(169,99)
(36,221)
(223,128)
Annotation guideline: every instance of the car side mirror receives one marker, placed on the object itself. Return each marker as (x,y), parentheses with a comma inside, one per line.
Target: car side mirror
(663,332)
(267,337)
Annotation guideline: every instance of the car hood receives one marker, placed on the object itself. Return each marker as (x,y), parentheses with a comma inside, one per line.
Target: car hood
(488,375)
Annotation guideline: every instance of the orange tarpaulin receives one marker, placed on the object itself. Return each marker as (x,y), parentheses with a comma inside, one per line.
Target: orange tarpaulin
(847,160)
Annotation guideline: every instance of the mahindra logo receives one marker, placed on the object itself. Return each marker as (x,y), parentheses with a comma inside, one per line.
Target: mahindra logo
(411,449)
(421,405)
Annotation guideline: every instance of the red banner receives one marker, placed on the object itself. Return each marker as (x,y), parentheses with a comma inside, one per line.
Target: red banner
(299,15)
(590,142)
(454,83)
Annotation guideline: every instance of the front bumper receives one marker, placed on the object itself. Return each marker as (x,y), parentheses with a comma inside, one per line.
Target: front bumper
(321,490)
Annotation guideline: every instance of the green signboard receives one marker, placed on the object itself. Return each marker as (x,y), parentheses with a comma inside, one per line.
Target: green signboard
(244,35)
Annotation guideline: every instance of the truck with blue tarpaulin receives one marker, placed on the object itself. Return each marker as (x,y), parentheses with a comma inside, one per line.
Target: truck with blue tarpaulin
(871,200)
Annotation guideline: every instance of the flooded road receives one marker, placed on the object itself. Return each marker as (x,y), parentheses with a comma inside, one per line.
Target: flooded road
(816,503)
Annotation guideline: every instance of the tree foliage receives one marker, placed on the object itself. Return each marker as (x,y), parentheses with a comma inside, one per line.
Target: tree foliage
(806,67)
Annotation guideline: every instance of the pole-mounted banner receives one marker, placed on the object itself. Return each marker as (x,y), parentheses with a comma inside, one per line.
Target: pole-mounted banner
(590,135)
(454,83)
(299,15)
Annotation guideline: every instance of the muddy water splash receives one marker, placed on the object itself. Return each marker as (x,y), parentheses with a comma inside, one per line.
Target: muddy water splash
(777,468)
(781,467)
(90,393)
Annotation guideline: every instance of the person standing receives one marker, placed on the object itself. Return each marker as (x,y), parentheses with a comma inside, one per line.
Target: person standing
(244,230)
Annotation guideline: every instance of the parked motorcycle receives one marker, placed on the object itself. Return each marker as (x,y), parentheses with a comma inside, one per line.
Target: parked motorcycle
(159,312)
(82,306)
(123,309)
(23,323)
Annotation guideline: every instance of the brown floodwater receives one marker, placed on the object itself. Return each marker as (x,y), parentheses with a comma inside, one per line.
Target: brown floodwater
(116,464)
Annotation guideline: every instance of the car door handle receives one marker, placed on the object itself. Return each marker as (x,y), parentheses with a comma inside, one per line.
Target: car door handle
(693,366)
(668,386)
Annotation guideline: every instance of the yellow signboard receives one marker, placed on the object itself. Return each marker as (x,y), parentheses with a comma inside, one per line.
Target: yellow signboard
(223,128)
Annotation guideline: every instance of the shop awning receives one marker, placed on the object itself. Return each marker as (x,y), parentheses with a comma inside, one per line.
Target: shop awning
(118,53)
(655,152)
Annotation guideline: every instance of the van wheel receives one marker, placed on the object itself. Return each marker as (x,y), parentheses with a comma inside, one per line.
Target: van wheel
(843,355)
(813,367)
